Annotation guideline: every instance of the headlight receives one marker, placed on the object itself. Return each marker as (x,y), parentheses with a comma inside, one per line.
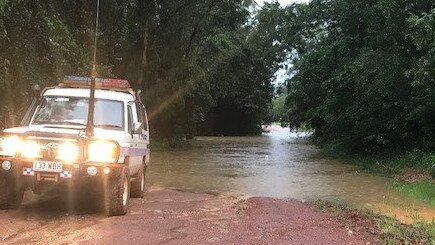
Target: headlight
(30,149)
(10,145)
(103,151)
(68,152)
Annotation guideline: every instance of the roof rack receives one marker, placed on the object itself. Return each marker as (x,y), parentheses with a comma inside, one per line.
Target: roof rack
(100,83)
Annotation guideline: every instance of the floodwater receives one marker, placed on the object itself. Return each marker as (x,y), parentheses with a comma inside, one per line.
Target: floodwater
(279,164)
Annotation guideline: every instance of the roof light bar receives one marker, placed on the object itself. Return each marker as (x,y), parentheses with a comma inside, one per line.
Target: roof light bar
(75,81)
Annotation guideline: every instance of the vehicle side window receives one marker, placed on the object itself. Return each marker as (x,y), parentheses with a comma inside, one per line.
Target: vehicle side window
(130,118)
(145,116)
(139,112)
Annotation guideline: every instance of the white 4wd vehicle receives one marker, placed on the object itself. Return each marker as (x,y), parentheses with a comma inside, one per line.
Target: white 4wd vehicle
(51,150)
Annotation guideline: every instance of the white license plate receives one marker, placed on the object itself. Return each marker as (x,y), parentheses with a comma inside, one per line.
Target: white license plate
(45,166)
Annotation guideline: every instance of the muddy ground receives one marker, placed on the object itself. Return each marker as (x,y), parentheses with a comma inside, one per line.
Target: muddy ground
(174,217)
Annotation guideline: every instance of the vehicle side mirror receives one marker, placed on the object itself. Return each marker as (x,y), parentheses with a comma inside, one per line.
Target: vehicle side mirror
(36,90)
(137,126)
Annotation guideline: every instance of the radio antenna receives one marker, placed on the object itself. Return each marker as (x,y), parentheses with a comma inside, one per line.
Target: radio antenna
(90,123)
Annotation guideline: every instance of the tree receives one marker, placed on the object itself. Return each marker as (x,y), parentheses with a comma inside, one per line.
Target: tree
(240,86)
(159,46)
(362,71)
(37,47)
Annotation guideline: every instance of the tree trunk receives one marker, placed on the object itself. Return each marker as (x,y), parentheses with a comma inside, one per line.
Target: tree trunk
(9,109)
(144,61)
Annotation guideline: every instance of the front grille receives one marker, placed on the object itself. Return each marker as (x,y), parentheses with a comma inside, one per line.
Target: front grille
(48,153)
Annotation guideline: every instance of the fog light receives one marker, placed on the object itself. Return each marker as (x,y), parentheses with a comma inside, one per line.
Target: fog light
(92,171)
(106,170)
(6,165)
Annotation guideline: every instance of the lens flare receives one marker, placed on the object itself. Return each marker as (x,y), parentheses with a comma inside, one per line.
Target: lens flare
(10,145)
(30,149)
(68,152)
(102,151)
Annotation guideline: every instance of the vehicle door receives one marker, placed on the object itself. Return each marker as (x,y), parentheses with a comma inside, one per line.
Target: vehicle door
(134,153)
(144,136)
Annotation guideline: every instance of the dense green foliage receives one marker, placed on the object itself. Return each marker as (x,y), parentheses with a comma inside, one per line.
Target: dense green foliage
(363,72)
(361,75)
(199,63)
(279,112)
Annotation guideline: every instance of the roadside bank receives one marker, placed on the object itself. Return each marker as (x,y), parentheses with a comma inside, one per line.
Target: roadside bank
(382,229)
(412,173)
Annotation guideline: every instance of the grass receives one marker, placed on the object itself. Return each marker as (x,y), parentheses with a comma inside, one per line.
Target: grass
(413,171)
(376,228)
(422,190)
(387,163)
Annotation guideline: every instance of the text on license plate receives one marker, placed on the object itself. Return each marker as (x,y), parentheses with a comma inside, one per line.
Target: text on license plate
(45,166)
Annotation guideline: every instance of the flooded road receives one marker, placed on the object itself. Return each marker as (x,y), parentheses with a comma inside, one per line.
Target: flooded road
(278,165)
(253,177)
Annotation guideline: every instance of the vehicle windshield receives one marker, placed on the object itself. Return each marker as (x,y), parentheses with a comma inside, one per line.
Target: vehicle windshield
(74,111)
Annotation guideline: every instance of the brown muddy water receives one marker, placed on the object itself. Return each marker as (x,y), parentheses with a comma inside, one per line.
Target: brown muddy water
(279,164)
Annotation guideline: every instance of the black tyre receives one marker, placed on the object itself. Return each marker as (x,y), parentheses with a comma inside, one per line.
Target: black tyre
(117,193)
(11,193)
(138,184)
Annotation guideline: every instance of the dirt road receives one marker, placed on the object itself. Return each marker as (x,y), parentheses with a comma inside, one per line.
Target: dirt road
(173,217)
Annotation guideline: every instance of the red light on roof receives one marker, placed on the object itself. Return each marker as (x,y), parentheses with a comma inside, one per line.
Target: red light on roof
(104,83)
(117,83)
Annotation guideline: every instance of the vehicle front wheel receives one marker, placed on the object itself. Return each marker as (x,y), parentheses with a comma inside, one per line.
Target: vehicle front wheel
(11,194)
(117,193)
(138,184)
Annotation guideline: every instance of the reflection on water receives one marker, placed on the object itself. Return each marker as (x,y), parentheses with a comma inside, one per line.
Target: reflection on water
(280,165)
